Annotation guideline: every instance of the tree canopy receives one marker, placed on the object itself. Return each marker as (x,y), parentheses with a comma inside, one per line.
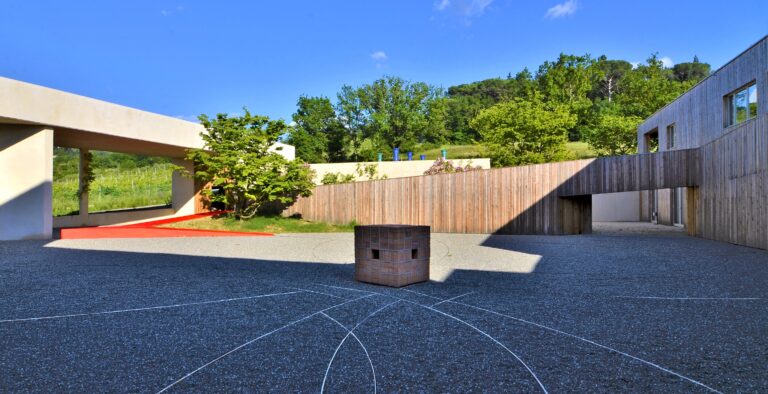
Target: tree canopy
(606,97)
(523,131)
(236,160)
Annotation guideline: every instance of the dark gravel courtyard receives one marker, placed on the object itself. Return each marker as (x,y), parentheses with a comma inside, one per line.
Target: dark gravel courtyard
(617,311)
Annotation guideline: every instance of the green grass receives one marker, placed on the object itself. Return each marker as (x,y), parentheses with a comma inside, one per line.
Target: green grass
(266,224)
(454,152)
(578,150)
(581,150)
(115,188)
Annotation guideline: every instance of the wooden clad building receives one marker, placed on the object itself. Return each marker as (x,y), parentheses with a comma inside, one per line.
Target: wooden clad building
(703,164)
(725,116)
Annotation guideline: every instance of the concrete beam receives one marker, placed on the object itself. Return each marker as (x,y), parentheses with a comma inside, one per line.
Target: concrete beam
(84,119)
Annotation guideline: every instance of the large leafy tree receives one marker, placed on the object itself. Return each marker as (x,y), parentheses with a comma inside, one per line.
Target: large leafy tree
(649,87)
(389,113)
(608,77)
(399,111)
(353,118)
(316,127)
(236,159)
(523,131)
(568,81)
(691,71)
(466,101)
(614,134)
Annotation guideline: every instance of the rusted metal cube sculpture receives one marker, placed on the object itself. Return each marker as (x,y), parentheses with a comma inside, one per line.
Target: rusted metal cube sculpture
(392,254)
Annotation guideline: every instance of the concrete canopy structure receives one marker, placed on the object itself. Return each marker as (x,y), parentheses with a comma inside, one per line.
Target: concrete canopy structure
(34,119)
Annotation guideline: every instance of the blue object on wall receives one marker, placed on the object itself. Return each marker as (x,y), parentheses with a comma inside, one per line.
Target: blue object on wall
(423,157)
(396,154)
(380,156)
(410,155)
(444,152)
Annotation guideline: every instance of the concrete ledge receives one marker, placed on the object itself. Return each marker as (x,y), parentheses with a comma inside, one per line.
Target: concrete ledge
(113,217)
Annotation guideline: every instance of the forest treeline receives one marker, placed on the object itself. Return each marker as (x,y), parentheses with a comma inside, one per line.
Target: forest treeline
(523,118)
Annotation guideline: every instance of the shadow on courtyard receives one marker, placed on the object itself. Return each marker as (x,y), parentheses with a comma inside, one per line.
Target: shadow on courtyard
(574,288)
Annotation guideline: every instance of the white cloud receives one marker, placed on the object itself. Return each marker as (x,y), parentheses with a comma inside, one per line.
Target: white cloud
(561,10)
(379,56)
(475,7)
(178,8)
(466,8)
(442,5)
(635,64)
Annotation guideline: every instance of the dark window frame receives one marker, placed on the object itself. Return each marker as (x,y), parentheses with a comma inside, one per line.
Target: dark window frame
(730,110)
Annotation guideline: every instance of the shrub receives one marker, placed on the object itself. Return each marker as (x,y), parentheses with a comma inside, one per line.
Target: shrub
(442,166)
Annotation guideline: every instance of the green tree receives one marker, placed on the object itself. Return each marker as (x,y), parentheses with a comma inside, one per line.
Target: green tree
(525,131)
(353,118)
(316,126)
(466,101)
(615,134)
(608,77)
(236,158)
(692,71)
(647,88)
(399,112)
(568,81)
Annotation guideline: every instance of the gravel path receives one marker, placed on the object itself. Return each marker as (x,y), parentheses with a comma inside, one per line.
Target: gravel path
(615,311)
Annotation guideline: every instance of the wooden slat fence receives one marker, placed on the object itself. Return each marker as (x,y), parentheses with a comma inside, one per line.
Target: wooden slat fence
(552,198)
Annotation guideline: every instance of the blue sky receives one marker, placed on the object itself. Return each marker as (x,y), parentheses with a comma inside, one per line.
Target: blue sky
(183,58)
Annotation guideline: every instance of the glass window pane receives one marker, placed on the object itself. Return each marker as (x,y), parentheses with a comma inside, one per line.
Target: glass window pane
(753,101)
(740,104)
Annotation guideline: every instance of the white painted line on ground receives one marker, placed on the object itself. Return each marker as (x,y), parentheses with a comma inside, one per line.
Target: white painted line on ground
(692,298)
(316,292)
(421,294)
(256,339)
(349,288)
(147,308)
(452,298)
(494,340)
(463,322)
(352,333)
(591,342)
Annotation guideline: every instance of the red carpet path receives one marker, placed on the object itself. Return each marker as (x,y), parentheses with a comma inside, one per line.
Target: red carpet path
(150,230)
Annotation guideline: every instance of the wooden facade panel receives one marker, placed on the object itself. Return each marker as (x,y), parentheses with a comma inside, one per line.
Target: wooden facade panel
(513,200)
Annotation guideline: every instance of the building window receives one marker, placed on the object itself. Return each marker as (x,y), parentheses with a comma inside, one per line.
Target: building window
(741,105)
(652,141)
(671,136)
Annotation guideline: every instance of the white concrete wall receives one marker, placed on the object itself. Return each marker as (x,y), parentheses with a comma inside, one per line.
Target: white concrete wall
(26,177)
(183,190)
(119,217)
(392,169)
(25,102)
(285,150)
(616,207)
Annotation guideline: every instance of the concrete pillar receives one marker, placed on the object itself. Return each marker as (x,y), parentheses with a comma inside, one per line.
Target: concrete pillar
(26,177)
(183,189)
(84,163)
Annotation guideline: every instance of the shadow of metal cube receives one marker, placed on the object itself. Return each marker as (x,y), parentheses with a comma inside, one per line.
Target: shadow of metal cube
(392,254)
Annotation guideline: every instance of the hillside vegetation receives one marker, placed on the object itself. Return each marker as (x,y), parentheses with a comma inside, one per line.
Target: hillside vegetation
(121,181)
(525,117)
